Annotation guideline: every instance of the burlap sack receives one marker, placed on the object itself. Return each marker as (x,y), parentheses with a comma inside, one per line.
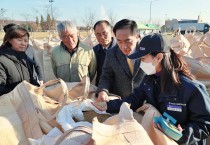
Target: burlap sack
(18,117)
(83,90)
(205,49)
(157,137)
(206,39)
(180,44)
(80,135)
(11,129)
(190,36)
(49,99)
(196,51)
(120,129)
(200,67)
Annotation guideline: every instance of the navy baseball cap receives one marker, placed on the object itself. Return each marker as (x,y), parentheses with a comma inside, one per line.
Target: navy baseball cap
(150,44)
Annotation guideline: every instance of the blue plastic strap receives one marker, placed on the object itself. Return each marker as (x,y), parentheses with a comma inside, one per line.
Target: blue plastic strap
(171,119)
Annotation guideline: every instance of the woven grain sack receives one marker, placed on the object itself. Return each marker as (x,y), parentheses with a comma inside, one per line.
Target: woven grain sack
(120,129)
(157,137)
(200,68)
(18,117)
(83,90)
(48,100)
(11,129)
(80,135)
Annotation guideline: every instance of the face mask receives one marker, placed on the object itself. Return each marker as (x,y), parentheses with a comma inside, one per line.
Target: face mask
(148,68)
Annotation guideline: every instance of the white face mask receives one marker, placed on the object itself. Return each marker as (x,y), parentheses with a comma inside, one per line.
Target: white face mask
(148,68)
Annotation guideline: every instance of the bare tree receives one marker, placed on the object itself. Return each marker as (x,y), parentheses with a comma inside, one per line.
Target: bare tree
(29,21)
(48,11)
(2,12)
(89,19)
(112,17)
(37,24)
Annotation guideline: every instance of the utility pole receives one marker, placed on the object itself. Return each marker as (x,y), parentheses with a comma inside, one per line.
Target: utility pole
(166,22)
(150,16)
(51,1)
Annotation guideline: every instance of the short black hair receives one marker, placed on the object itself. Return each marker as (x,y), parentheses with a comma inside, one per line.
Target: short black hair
(8,26)
(125,24)
(100,22)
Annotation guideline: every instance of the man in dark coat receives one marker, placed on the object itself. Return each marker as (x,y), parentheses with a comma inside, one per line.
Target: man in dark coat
(121,75)
(103,33)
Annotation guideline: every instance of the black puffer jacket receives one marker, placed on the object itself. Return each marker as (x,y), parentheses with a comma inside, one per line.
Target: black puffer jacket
(15,67)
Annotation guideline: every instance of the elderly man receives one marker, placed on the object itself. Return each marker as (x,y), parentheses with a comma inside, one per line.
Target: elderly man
(72,60)
(103,33)
(121,75)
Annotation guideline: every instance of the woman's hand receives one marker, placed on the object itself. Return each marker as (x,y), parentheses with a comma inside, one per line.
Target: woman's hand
(179,128)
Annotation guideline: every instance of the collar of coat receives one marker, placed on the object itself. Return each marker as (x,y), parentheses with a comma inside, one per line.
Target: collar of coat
(74,50)
(12,54)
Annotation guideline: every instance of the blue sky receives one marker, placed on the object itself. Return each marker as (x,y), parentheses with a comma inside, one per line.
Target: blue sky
(138,10)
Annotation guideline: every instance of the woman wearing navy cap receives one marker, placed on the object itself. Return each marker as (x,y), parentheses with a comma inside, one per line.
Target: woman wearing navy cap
(169,87)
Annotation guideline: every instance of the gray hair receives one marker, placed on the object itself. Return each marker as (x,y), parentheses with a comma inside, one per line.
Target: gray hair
(65,26)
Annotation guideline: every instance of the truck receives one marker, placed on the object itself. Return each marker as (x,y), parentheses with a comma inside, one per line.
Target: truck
(200,27)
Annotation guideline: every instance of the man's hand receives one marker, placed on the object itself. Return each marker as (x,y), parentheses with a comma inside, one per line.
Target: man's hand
(143,108)
(101,106)
(41,82)
(102,97)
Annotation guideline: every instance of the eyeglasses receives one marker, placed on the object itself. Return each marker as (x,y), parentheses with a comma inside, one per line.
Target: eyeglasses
(69,36)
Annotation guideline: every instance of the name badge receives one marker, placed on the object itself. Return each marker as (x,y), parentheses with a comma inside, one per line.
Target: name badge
(174,108)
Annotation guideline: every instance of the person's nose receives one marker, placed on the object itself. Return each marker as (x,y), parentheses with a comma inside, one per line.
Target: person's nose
(103,37)
(70,39)
(124,46)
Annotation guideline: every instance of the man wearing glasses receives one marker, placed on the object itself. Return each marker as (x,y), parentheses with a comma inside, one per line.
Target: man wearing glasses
(121,75)
(103,33)
(72,60)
